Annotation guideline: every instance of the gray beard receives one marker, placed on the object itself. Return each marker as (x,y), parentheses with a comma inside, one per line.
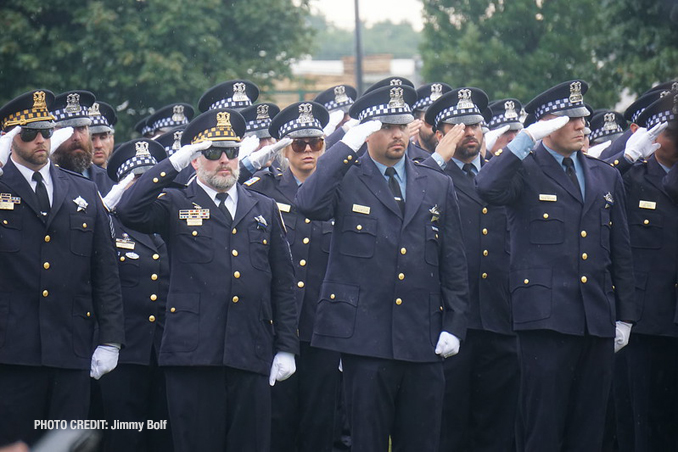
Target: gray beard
(218,182)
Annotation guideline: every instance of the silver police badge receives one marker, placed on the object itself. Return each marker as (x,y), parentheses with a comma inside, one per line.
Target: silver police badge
(240,92)
(465,102)
(81,203)
(575,93)
(510,110)
(306,113)
(72,103)
(178,113)
(397,99)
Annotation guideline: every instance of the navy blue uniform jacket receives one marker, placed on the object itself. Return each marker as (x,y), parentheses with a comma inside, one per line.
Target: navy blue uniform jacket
(59,279)
(231,300)
(393,283)
(567,254)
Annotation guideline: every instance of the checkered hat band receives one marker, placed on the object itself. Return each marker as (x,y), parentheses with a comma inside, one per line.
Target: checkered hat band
(170,151)
(230,103)
(422,103)
(100,120)
(27,116)
(62,115)
(383,110)
(501,120)
(332,105)
(634,117)
(599,133)
(257,125)
(167,122)
(216,134)
(664,116)
(146,130)
(296,125)
(556,105)
(451,112)
(135,162)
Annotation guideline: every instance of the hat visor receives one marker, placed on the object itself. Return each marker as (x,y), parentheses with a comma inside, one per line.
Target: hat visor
(403,118)
(574,112)
(100,129)
(468,120)
(74,122)
(261,133)
(41,125)
(225,144)
(304,133)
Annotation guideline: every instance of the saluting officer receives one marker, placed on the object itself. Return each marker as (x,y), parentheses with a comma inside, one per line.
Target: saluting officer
(571,272)
(394,297)
(59,279)
(303,406)
(481,381)
(231,303)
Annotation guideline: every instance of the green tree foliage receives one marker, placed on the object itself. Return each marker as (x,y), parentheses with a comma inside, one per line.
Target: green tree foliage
(147,53)
(514,48)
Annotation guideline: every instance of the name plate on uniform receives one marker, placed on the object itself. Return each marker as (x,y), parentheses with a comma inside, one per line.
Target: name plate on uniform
(365,210)
(194,217)
(284,207)
(548,198)
(650,205)
(125,244)
(7,201)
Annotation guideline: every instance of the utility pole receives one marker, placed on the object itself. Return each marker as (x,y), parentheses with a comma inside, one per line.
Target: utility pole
(358,50)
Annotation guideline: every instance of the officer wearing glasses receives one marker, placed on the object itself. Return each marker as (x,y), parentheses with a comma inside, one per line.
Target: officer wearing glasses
(59,279)
(231,317)
(304,405)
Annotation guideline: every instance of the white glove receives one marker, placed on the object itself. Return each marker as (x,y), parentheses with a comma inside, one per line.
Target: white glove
(448,345)
(595,151)
(641,143)
(335,118)
(183,156)
(259,158)
(492,136)
(621,335)
(113,197)
(58,137)
(283,367)
(247,146)
(357,135)
(6,146)
(541,129)
(104,360)
(351,123)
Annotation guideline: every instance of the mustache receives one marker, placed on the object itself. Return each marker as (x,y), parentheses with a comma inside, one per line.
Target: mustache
(397,142)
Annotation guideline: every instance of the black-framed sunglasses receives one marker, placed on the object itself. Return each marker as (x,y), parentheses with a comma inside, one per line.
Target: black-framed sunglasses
(28,135)
(215,153)
(299,145)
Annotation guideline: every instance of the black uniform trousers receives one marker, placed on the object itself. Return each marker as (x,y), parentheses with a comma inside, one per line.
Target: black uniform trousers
(218,409)
(31,393)
(481,394)
(401,397)
(646,390)
(565,384)
(135,393)
(304,405)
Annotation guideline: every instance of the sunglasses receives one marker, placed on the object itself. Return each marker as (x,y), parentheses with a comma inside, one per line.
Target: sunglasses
(28,135)
(316,144)
(215,153)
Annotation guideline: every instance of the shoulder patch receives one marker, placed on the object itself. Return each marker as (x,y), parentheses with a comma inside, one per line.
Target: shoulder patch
(252,181)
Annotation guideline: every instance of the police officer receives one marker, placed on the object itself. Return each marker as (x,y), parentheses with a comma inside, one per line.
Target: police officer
(394,296)
(256,150)
(337,100)
(571,275)
(304,405)
(422,134)
(169,117)
(102,132)
(504,124)
(135,392)
(231,303)
(482,380)
(59,279)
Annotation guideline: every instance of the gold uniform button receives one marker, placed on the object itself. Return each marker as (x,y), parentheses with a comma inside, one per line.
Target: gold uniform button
(151,318)
(616,162)
(441,308)
(399,301)
(46,265)
(332,296)
(584,256)
(234,253)
(307,221)
(345,161)
(486,253)
(584,279)
(173,309)
(163,174)
(154,297)
(47,238)
(154,277)
(45,293)
(235,299)
(234,231)
(156,257)
(265,242)
(484,210)
(546,216)
(302,262)
(236,274)
(401,276)
(584,234)
(484,275)
(306,240)
(89,314)
(84,225)
(526,281)
(646,222)
(359,227)
(194,233)
(155,180)
(484,231)
(5,222)
(122,258)
(300,284)
(403,250)
(350,157)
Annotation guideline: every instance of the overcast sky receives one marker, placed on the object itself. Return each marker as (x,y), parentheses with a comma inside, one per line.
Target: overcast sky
(341,12)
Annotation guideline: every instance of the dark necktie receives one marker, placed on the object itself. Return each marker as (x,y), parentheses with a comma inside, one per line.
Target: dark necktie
(468,168)
(394,186)
(41,193)
(571,173)
(222,206)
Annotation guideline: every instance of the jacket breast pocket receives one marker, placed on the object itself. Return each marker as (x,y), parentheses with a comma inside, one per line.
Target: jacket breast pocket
(337,310)
(129,272)
(432,245)
(10,231)
(359,236)
(260,242)
(531,294)
(82,234)
(182,323)
(196,244)
(547,225)
(646,229)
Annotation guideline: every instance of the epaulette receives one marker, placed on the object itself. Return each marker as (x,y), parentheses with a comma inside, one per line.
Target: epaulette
(252,181)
